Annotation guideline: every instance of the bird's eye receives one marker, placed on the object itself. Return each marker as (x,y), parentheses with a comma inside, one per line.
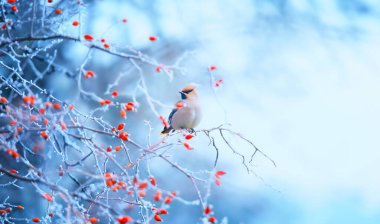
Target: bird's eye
(187,91)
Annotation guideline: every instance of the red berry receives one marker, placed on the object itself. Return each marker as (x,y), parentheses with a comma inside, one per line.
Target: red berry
(152,38)
(207,210)
(162,212)
(188,137)
(218,182)
(143,185)
(219,173)
(89,74)
(3,100)
(142,194)
(93,220)
(58,11)
(157,196)
(88,37)
(120,126)
(42,110)
(187,146)
(123,113)
(44,135)
(168,199)
(157,218)
(124,219)
(212,219)
(48,197)
(129,106)
(123,136)
(152,181)
(212,68)
(56,106)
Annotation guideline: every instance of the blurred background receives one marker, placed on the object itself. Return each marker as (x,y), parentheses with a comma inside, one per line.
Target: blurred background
(300,78)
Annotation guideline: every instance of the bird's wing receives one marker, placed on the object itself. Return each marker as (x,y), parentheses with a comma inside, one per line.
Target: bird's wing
(171,115)
(175,110)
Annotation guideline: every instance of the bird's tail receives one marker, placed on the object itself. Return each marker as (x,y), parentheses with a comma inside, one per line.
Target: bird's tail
(166,130)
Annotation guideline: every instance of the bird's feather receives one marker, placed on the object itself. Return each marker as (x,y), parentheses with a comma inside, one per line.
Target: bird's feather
(171,115)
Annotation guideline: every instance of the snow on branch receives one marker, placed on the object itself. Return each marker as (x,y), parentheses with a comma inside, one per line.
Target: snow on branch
(84,156)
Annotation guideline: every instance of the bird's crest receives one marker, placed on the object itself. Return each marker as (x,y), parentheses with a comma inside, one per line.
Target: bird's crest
(189,88)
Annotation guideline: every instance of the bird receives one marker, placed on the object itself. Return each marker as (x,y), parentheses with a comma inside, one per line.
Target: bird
(187,113)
